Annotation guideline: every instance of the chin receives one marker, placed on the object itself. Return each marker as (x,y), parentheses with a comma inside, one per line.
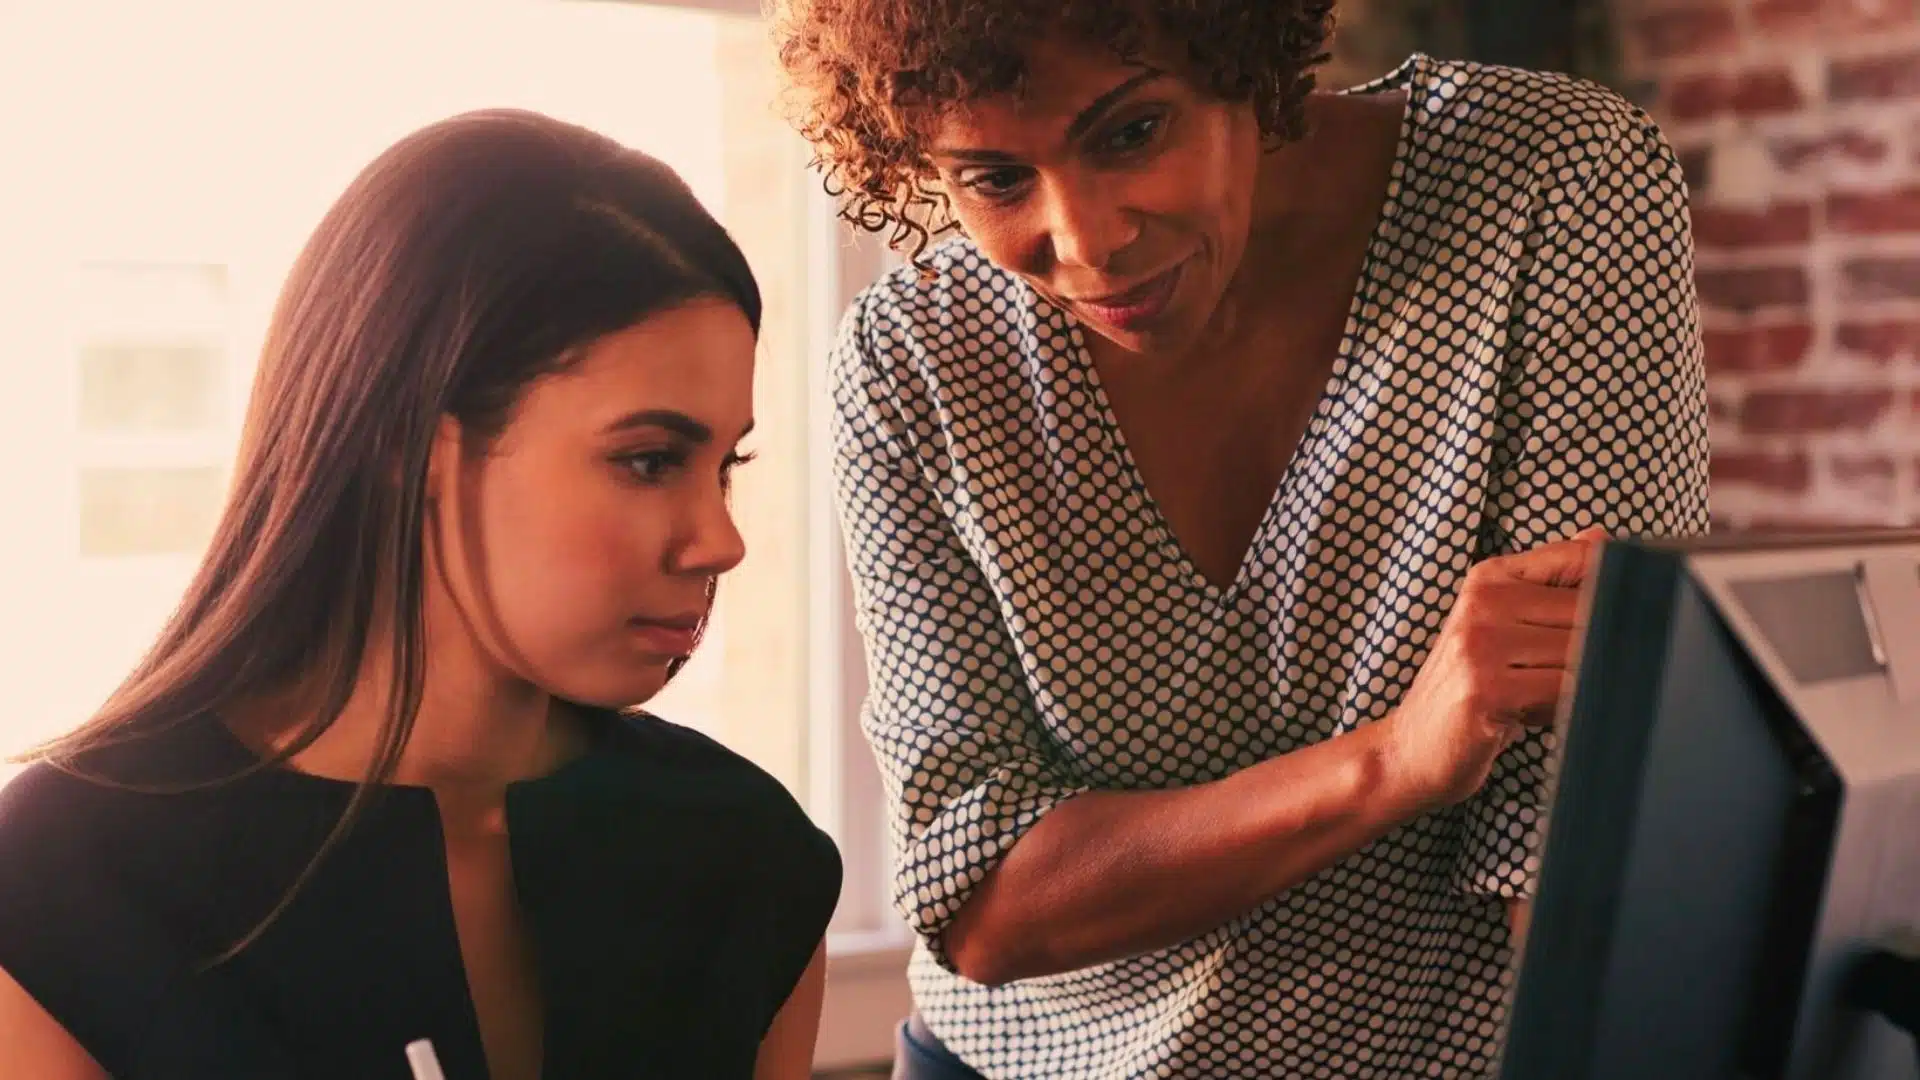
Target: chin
(639,695)
(615,694)
(1159,340)
(1172,333)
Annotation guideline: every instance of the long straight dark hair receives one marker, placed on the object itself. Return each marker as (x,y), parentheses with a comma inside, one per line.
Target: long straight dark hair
(469,259)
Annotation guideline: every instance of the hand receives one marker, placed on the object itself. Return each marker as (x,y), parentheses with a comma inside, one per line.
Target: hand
(1498,666)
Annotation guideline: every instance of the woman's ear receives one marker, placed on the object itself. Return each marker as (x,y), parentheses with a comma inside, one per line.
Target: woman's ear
(443,460)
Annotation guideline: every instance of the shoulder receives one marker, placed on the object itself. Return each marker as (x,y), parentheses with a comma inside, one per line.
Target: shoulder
(772,848)
(1551,132)
(699,768)
(953,276)
(139,792)
(119,798)
(935,359)
(77,931)
(46,811)
(40,789)
(698,758)
(42,812)
(933,322)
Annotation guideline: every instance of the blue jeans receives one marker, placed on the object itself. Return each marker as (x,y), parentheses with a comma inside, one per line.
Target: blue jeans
(920,1056)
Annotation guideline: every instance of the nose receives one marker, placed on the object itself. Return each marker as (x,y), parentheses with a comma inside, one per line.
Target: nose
(1087,225)
(710,542)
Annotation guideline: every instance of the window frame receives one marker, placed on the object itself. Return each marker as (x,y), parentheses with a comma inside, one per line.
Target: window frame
(867,990)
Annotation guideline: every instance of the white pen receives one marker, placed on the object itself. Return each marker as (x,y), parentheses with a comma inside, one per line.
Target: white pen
(425,1063)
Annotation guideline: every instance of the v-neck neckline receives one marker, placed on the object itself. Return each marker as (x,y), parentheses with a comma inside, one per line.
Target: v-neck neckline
(422,806)
(641,869)
(1410,76)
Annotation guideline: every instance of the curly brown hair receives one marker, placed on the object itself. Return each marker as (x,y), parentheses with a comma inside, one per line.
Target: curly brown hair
(863,74)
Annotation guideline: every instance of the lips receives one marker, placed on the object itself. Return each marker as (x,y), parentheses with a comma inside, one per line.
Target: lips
(1138,306)
(690,621)
(672,637)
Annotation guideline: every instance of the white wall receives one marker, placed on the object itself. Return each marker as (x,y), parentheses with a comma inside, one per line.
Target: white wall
(219,131)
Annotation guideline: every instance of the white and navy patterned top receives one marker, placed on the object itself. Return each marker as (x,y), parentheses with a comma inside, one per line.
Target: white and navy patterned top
(1522,359)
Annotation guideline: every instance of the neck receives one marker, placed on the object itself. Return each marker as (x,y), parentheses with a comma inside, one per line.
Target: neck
(476,731)
(1305,192)
(1313,200)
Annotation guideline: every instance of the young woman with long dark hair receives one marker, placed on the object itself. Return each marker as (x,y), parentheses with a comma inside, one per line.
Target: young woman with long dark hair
(381,778)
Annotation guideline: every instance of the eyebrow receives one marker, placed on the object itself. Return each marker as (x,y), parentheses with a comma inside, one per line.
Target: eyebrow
(677,422)
(1086,118)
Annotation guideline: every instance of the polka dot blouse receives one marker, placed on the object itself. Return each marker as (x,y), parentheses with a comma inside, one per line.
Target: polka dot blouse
(1522,359)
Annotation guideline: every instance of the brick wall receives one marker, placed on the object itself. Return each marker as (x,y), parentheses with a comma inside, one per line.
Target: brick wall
(1798,123)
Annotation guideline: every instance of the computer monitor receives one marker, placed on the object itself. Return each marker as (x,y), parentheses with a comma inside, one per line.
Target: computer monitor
(1730,879)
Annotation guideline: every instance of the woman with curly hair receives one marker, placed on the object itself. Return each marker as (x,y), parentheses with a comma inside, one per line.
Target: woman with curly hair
(1217,503)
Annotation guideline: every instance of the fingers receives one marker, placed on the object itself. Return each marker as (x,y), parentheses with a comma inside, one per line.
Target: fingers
(1529,647)
(1523,603)
(1512,630)
(1563,564)
(1530,697)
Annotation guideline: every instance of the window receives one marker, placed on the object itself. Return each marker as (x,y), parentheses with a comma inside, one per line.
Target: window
(153,215)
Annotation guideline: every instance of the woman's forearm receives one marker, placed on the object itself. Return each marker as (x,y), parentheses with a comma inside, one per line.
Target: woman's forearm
(1112,874)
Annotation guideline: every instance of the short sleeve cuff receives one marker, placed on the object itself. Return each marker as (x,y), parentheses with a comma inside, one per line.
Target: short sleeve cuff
(946,860)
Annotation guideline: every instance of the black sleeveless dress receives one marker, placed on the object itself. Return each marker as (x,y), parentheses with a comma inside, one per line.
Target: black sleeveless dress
(674,893)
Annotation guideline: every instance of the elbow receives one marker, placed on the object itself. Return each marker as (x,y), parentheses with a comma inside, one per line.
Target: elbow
(985,953)
(976,960)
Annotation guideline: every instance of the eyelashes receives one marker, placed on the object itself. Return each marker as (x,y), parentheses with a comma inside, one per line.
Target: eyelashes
(1121,144)
(653,467)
